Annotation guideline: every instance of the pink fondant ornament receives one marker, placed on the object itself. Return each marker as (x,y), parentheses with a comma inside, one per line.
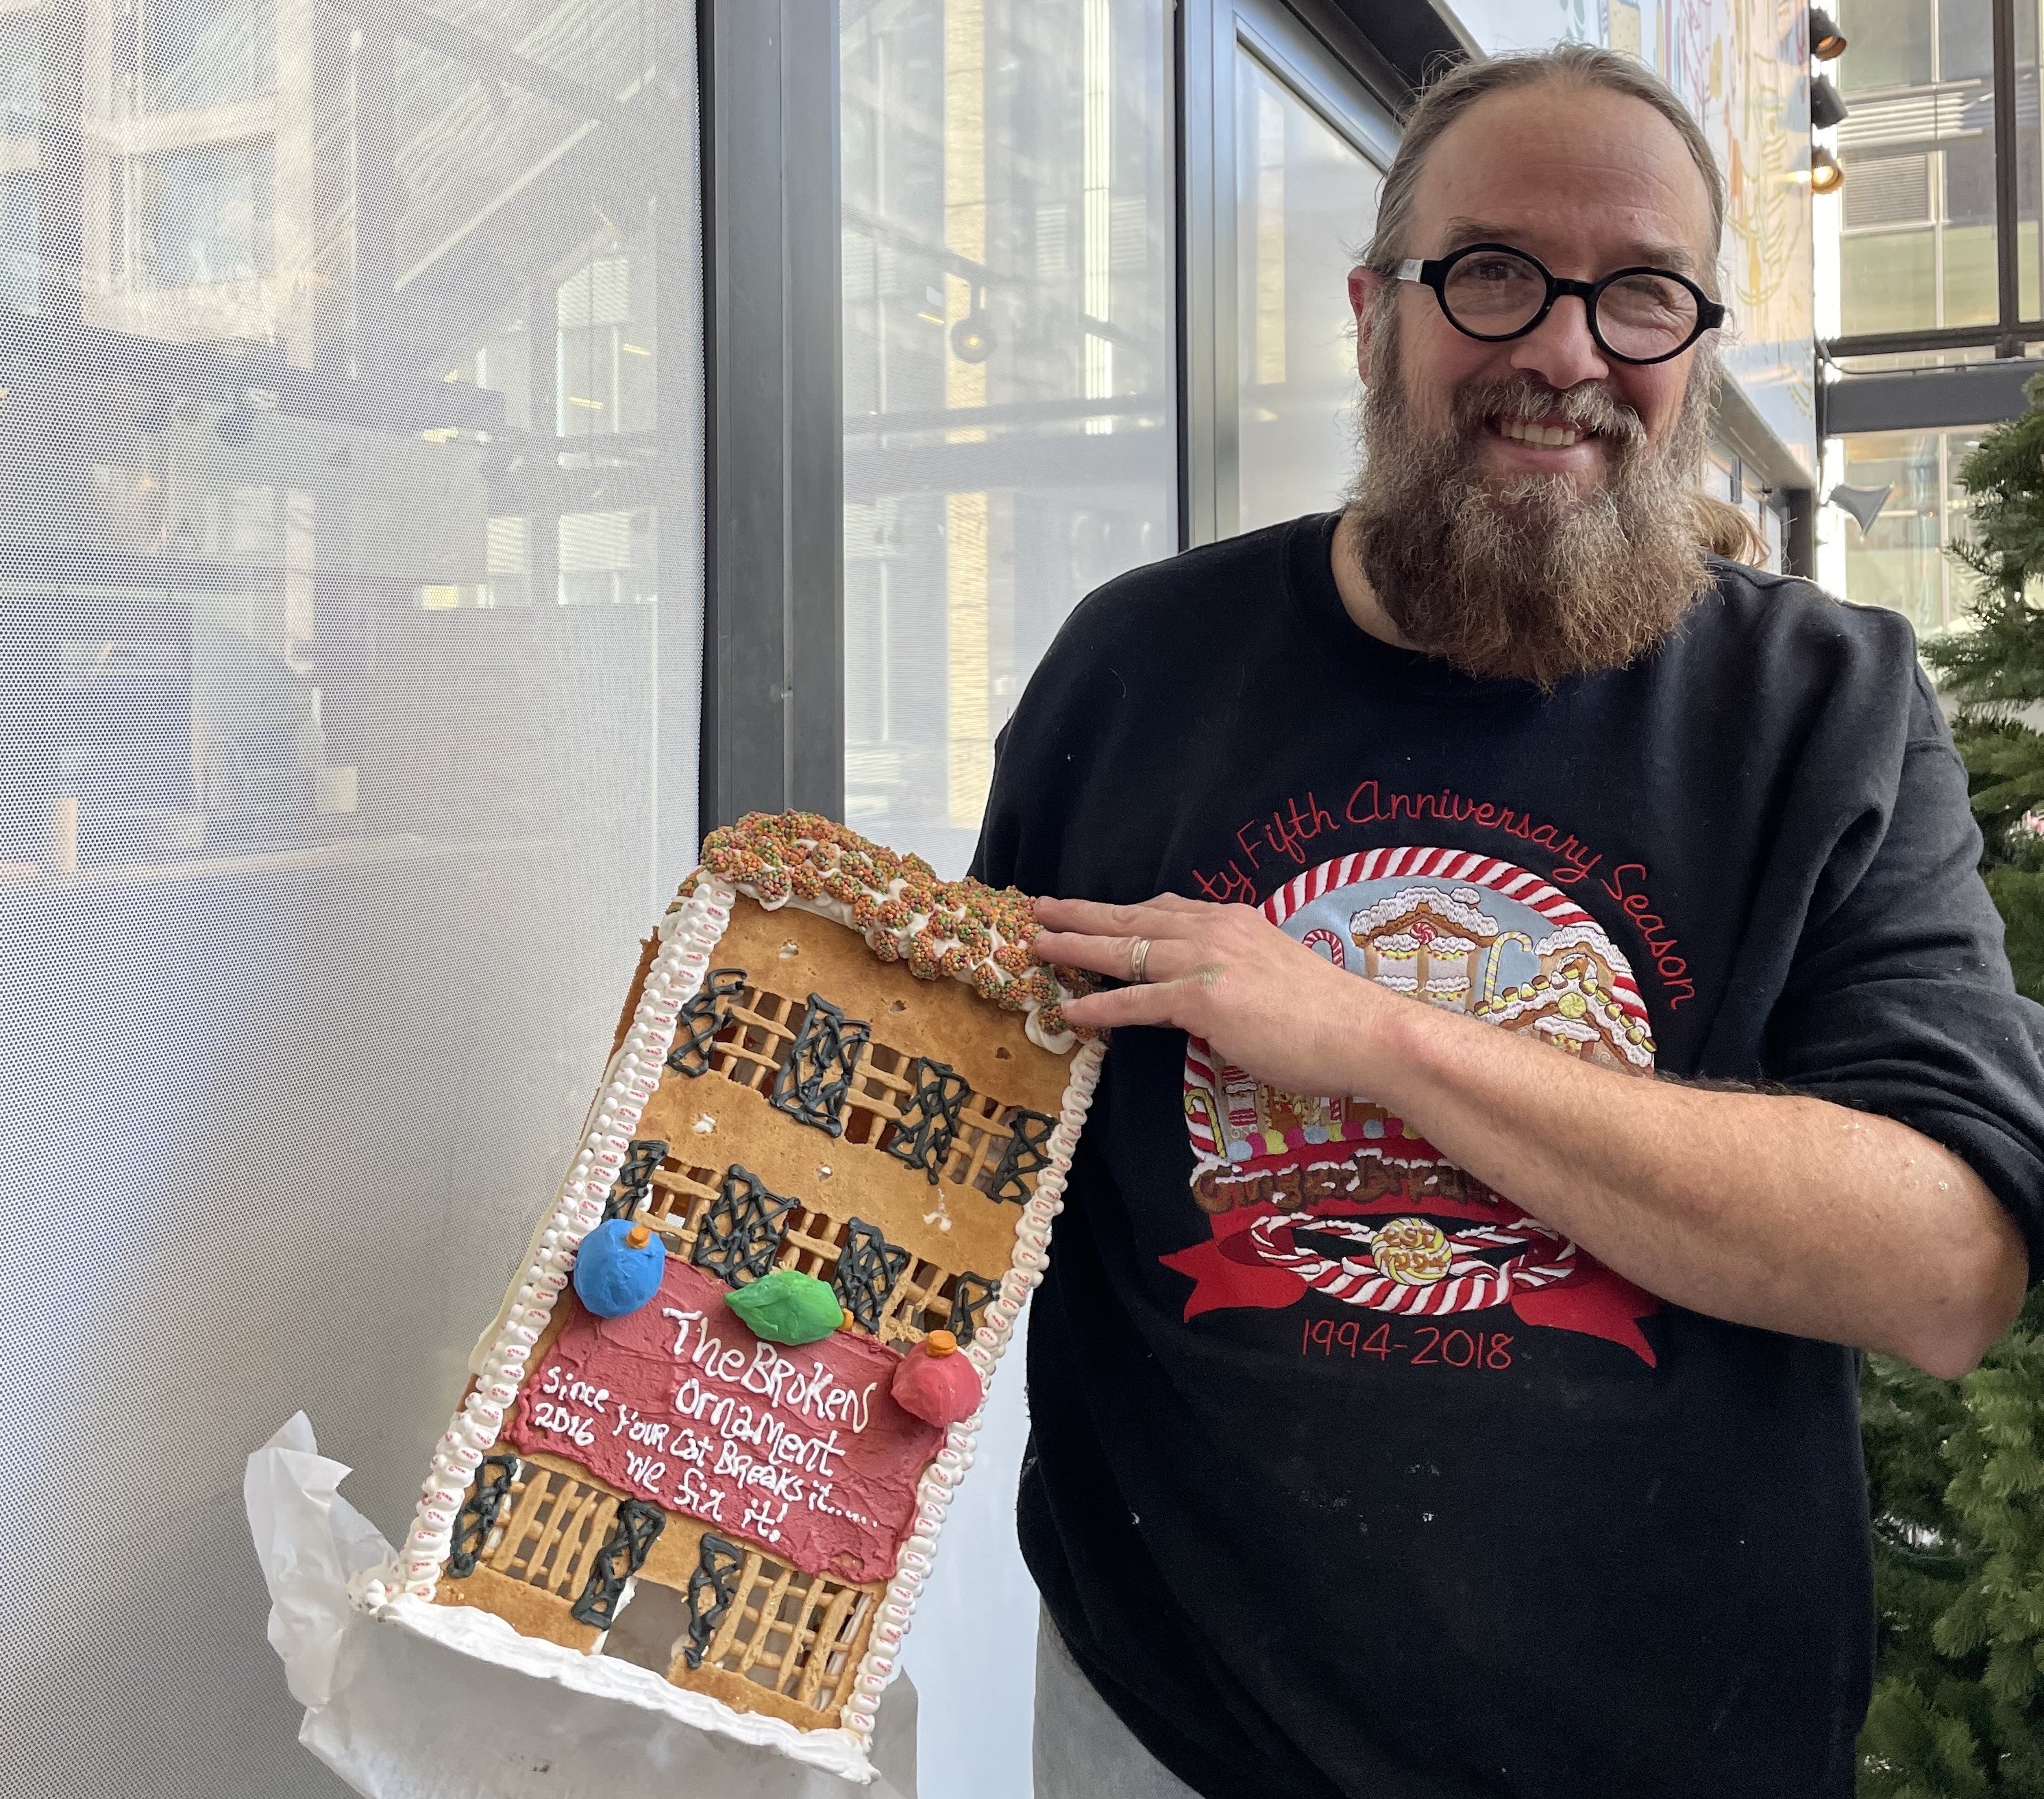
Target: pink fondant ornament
(936,1384)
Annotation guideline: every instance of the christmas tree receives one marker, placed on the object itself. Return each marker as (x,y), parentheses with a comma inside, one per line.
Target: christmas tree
(1955,1470)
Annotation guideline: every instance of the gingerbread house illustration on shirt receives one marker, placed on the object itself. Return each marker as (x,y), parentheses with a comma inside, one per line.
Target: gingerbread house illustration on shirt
(1439,945)
(709,1442)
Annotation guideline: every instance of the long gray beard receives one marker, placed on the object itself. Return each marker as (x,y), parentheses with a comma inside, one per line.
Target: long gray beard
(1530,578)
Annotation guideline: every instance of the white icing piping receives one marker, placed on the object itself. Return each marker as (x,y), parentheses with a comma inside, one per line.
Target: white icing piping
(483,1634)
(688,936)
(933,1494)
(838,912)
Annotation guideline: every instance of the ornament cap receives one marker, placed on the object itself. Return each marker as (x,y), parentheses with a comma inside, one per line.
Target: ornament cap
(940,1343)
(638,1237)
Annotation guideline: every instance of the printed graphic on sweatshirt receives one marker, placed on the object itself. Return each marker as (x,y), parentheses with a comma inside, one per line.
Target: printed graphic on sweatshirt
(1333,1197)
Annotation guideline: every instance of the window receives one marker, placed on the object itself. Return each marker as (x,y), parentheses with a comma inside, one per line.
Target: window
(196,53)
(1918,247)
(1009,379)
(202,216)
(1903,562)
(307,776)
(1305,205)
(1286,148)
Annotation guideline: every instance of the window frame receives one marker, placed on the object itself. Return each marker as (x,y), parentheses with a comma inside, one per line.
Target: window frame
(1317,54)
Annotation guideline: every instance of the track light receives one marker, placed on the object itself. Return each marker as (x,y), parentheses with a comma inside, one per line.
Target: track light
(1826,175)
(1825,108)
(1862,504)
(1827,43)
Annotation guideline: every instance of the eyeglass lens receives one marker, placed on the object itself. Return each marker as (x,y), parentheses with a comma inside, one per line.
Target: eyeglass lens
(1494,294)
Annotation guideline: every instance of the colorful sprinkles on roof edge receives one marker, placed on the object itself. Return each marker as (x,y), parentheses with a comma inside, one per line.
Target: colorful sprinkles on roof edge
(960,929)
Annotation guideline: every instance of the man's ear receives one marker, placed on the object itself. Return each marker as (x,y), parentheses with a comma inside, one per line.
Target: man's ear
(1364,286)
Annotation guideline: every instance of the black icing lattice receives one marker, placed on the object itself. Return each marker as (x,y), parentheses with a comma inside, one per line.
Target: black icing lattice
(635,1179)
(930,1119)
(707,1012)
(811,1088)
(479,1513)
(868,1266)
(712,1588)
(970,1296)
(633,1532)
(1027,1150)
(740,1234)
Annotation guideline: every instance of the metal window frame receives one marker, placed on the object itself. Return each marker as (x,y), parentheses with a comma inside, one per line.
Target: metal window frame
(1321,55)
(2011,331)
(773,689)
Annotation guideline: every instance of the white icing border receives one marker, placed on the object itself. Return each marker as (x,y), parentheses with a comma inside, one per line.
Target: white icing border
(472,1632)
(402,1593)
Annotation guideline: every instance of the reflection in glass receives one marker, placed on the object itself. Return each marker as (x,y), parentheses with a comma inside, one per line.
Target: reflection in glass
(1903,562)
(1917,250)
(328,825)
(1008,370)
(1305,204)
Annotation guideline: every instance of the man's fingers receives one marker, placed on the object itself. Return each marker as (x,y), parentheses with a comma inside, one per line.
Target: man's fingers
(1146,1005)
(1110,956)
(1166,915)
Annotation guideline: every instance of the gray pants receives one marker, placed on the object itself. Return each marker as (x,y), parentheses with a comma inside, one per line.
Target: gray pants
(1081,1750)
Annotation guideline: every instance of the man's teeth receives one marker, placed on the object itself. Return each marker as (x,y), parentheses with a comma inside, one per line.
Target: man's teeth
(1555,436)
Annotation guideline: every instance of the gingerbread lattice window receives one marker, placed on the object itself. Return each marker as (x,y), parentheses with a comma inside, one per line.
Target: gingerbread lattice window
(643,1156)
(816,1080)
(915,1110)
(706,1014)
(791,1632)
(475,1525)
(740,1236)
(868,1266)
(970,1296)
(756,1039)
(676,1200)
(923,1136)
(633,1532)
(557,1527)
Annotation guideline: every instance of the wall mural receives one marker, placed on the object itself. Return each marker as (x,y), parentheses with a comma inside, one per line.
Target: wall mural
(1742,67)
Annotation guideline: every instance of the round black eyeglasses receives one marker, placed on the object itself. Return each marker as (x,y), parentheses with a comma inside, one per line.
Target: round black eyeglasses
(1494,292)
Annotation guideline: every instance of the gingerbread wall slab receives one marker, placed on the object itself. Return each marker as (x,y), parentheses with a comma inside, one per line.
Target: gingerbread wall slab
(712,1439)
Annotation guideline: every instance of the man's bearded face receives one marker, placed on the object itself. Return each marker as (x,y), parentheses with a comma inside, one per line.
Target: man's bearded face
(1527,576)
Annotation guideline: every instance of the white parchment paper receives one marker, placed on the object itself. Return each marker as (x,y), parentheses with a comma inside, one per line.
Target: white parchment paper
(399,1716)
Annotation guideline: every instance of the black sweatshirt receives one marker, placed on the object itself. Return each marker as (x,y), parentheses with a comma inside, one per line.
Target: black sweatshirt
(1347,1476)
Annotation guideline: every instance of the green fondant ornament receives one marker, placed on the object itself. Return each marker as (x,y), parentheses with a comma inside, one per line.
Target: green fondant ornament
(787,1306)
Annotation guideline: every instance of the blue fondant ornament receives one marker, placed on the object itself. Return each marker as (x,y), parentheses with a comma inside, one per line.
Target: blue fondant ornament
(618,1267)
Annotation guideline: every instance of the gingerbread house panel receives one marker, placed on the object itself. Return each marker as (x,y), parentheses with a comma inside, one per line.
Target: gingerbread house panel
(712,1435)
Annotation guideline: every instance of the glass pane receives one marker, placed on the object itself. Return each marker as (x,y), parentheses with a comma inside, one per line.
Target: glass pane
(1918,246)
(1305,205)
(1889,44)
(1966,40)
(1902,563)
(328,831)
(1009,370)
(2029,149)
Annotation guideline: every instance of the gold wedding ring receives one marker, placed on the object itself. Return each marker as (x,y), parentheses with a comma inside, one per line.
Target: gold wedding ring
(1138,961)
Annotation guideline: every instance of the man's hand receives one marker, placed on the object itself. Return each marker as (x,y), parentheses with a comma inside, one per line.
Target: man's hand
(1787,1213)
(1226,974)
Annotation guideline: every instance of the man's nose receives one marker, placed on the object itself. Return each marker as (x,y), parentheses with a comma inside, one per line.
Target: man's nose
(1560,349)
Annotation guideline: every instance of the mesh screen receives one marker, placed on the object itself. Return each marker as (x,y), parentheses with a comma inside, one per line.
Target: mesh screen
(349,584)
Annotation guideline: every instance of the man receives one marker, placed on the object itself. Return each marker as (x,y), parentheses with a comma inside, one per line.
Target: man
(1494,1431)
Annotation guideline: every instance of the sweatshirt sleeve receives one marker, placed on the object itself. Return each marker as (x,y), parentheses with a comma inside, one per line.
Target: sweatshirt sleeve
(1899,999)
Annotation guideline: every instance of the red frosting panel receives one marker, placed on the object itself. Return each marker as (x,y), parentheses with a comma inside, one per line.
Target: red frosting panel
(803,1451)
